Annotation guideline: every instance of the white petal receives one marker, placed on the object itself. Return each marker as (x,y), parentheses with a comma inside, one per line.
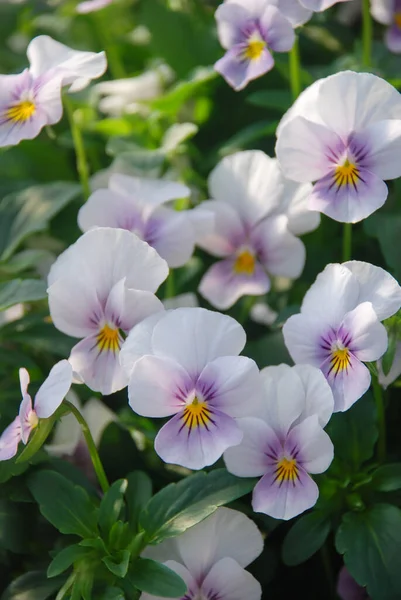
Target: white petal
(53,390)
(231,582)
(105,208)
(139,342)
(296,199)
(293,11)
(376,286)
(316,450)
(174,238)
(318,395)
(230,18)
(304,106)
(138,305)
(395,371)
(24,380)
(284,398)
(384,138)
(369,336)
(382,11)
(302,336)
(250,182)
(150,191)
(227,232)
(248,459)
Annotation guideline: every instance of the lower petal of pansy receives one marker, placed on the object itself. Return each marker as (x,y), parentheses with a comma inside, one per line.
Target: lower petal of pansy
(302,334)
(368,335)
(284,499)
(9,440)
(346,201)
(249,459)
(227,580)
(98,366)
(222,285)
(349,383)
(238,70)
(393,39)
(314,447)
(197,438)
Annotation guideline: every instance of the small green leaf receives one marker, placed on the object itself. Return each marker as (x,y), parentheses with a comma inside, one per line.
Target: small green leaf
(11,527)
(371,542)
(387,478)
(21,290)
(138,494)
(33,585)
(113,593)
(65,558)
(181,505)
(120,535)
(305,538)
(118,563)
(65,505)
(156,579)
(111,505)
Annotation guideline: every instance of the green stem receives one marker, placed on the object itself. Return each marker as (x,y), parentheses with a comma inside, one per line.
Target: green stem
(170,285)
(113,56)
(246,307)
(367,30)
(82,162)
(97,463)
(381,419)
(347,241)
(295,70)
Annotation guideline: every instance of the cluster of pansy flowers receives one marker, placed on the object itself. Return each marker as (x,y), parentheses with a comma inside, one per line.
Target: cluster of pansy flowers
(335,147)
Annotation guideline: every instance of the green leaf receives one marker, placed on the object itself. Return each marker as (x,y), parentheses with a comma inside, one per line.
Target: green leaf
(65,505)
(111,505)
(118,564)
(11,527)
(26,259)
(113,593)
(387,478)
(156,579)
(181,505)
(65,558)
(305,538)
(21,290)
(371,542)
(30,211)
(138,494)
(33,585)
(354,432)
(280,99)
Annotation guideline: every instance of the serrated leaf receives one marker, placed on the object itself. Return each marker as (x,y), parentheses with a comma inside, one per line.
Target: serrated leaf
(305,538)
(21,290)
(371,541)
(138,494)
(181,505)
(65,559)
(156,579)
(111,505)
(387,478)
(64,505)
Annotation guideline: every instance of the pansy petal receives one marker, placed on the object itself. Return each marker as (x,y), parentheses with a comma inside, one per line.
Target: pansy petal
(24,380)
(382,11)
(395,371)
(9,439)
(318,395)
(294,11)
(151,192)
(222,286)
(195,336)
(393,39)
(139,341)
(198,446)
(315,449)
(53,390)
(279,31)
(26,414)
(296,198)
(349,384)
(384,140)
(228,581)
(91,6)
(138,305)
(376,286)
(281,383)
(228,231)
(368,335)
(158,387)
(171,233)
(248,459)
(302,335)
(106,208)
(230,18)
(239,71)
(284,500)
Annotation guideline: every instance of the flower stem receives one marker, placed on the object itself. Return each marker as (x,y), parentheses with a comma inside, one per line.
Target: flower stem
(170,285)
(97,463)
(367,30)
(82,162)
(347,241)
(295,70)
(381,419)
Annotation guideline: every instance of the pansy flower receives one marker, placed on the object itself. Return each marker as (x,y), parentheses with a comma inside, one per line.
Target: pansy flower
(258,214)
(92,6)
(99,288)
(211,556)
(339,326)
(388,12)
(47,400)
(140,205)
(284,442)
(249,30)
(344,133)
(184,364)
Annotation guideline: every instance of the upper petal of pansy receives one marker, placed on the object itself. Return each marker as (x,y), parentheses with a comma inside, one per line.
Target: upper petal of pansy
(53,390)
(239,71)
(294,11)
(228,581)
(319,5)
(139,341)
(303,337)
(248,459)
(368,335)
(195,336)
(304,149)
(382,11)
(232,384)
(158,387)
(138,305)
(231,17)
(222,285)
(334,293)
(304,106)
(228,231)
(295,205)
(279,251)
(9,439)
(376,286)
(91,6)
(171,233)
(279,384)
(318,395)
(279,32)
(77,68)
(106,208)
(250,181)
(202,545)
(315,449)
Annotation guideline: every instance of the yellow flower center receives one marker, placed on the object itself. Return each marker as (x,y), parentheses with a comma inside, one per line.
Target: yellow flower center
(287,470)
(109,339)
(255,48)
(346,174)
(397,19)
(196,414)
(245,263)
(340,359)
(21,112)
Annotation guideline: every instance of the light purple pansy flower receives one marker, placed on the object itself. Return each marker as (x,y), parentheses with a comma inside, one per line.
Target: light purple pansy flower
(99,288)
(339,326)
(339,135)
(258,214)
(184,364)
(139,205)
(47,400)
(388,12)
(92,5)
(249,30)
(284,441)
(211,556)
(320,5)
